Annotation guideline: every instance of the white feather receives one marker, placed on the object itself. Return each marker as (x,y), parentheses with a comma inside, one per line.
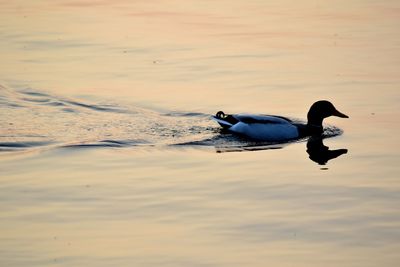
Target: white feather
(222,122)
(265,128)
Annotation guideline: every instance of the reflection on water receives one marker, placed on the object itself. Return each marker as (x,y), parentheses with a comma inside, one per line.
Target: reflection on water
(315,147)
(320,153)
(316,150)
(108,150)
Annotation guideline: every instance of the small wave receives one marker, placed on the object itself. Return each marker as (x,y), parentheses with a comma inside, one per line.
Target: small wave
(10,146)
(224,149)
(186,114)
(108,143)
(54,104)
(36,100)
(8,98)
(10,105)
(226,139)
(33,93)
(69,110)
(331,131)
(97,107)
(30,97)
(227,142)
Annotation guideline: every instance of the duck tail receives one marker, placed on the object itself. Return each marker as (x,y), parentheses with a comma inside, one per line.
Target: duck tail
(223,119)
(220,115)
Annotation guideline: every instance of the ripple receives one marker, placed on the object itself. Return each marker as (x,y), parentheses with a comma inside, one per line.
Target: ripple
(33,93)
(186,114)
(96,107)
(10,146)
(107,143)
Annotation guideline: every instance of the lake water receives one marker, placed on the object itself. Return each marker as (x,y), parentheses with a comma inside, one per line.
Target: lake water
(109,157)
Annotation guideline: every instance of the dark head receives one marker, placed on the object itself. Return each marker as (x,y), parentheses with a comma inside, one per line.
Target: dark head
(321,110)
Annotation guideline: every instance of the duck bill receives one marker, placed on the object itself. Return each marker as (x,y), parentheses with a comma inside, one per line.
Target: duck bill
(339,114)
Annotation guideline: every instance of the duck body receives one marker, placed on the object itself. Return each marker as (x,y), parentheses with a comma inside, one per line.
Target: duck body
(259,127)
(277,128)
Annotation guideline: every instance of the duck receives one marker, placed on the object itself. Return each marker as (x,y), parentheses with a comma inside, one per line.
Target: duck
(278,128)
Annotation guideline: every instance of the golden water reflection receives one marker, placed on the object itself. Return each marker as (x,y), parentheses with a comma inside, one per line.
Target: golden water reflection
(183,205)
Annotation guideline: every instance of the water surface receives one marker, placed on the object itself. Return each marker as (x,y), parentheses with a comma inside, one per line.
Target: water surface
(108,155)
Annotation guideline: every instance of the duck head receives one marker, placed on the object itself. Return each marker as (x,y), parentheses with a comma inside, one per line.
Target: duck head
(321,110)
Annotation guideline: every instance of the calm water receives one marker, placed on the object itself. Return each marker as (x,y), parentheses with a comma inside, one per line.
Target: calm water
(108,155)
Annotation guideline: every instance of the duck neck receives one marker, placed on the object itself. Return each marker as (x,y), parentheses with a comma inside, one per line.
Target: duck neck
(315,125)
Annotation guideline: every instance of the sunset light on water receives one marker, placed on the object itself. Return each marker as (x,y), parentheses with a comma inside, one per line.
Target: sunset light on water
(109,154)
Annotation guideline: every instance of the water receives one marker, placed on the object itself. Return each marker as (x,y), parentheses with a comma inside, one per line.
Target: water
(109,156)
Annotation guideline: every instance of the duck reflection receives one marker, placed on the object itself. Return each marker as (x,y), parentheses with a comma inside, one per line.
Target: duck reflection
(320,153)
(315,148)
